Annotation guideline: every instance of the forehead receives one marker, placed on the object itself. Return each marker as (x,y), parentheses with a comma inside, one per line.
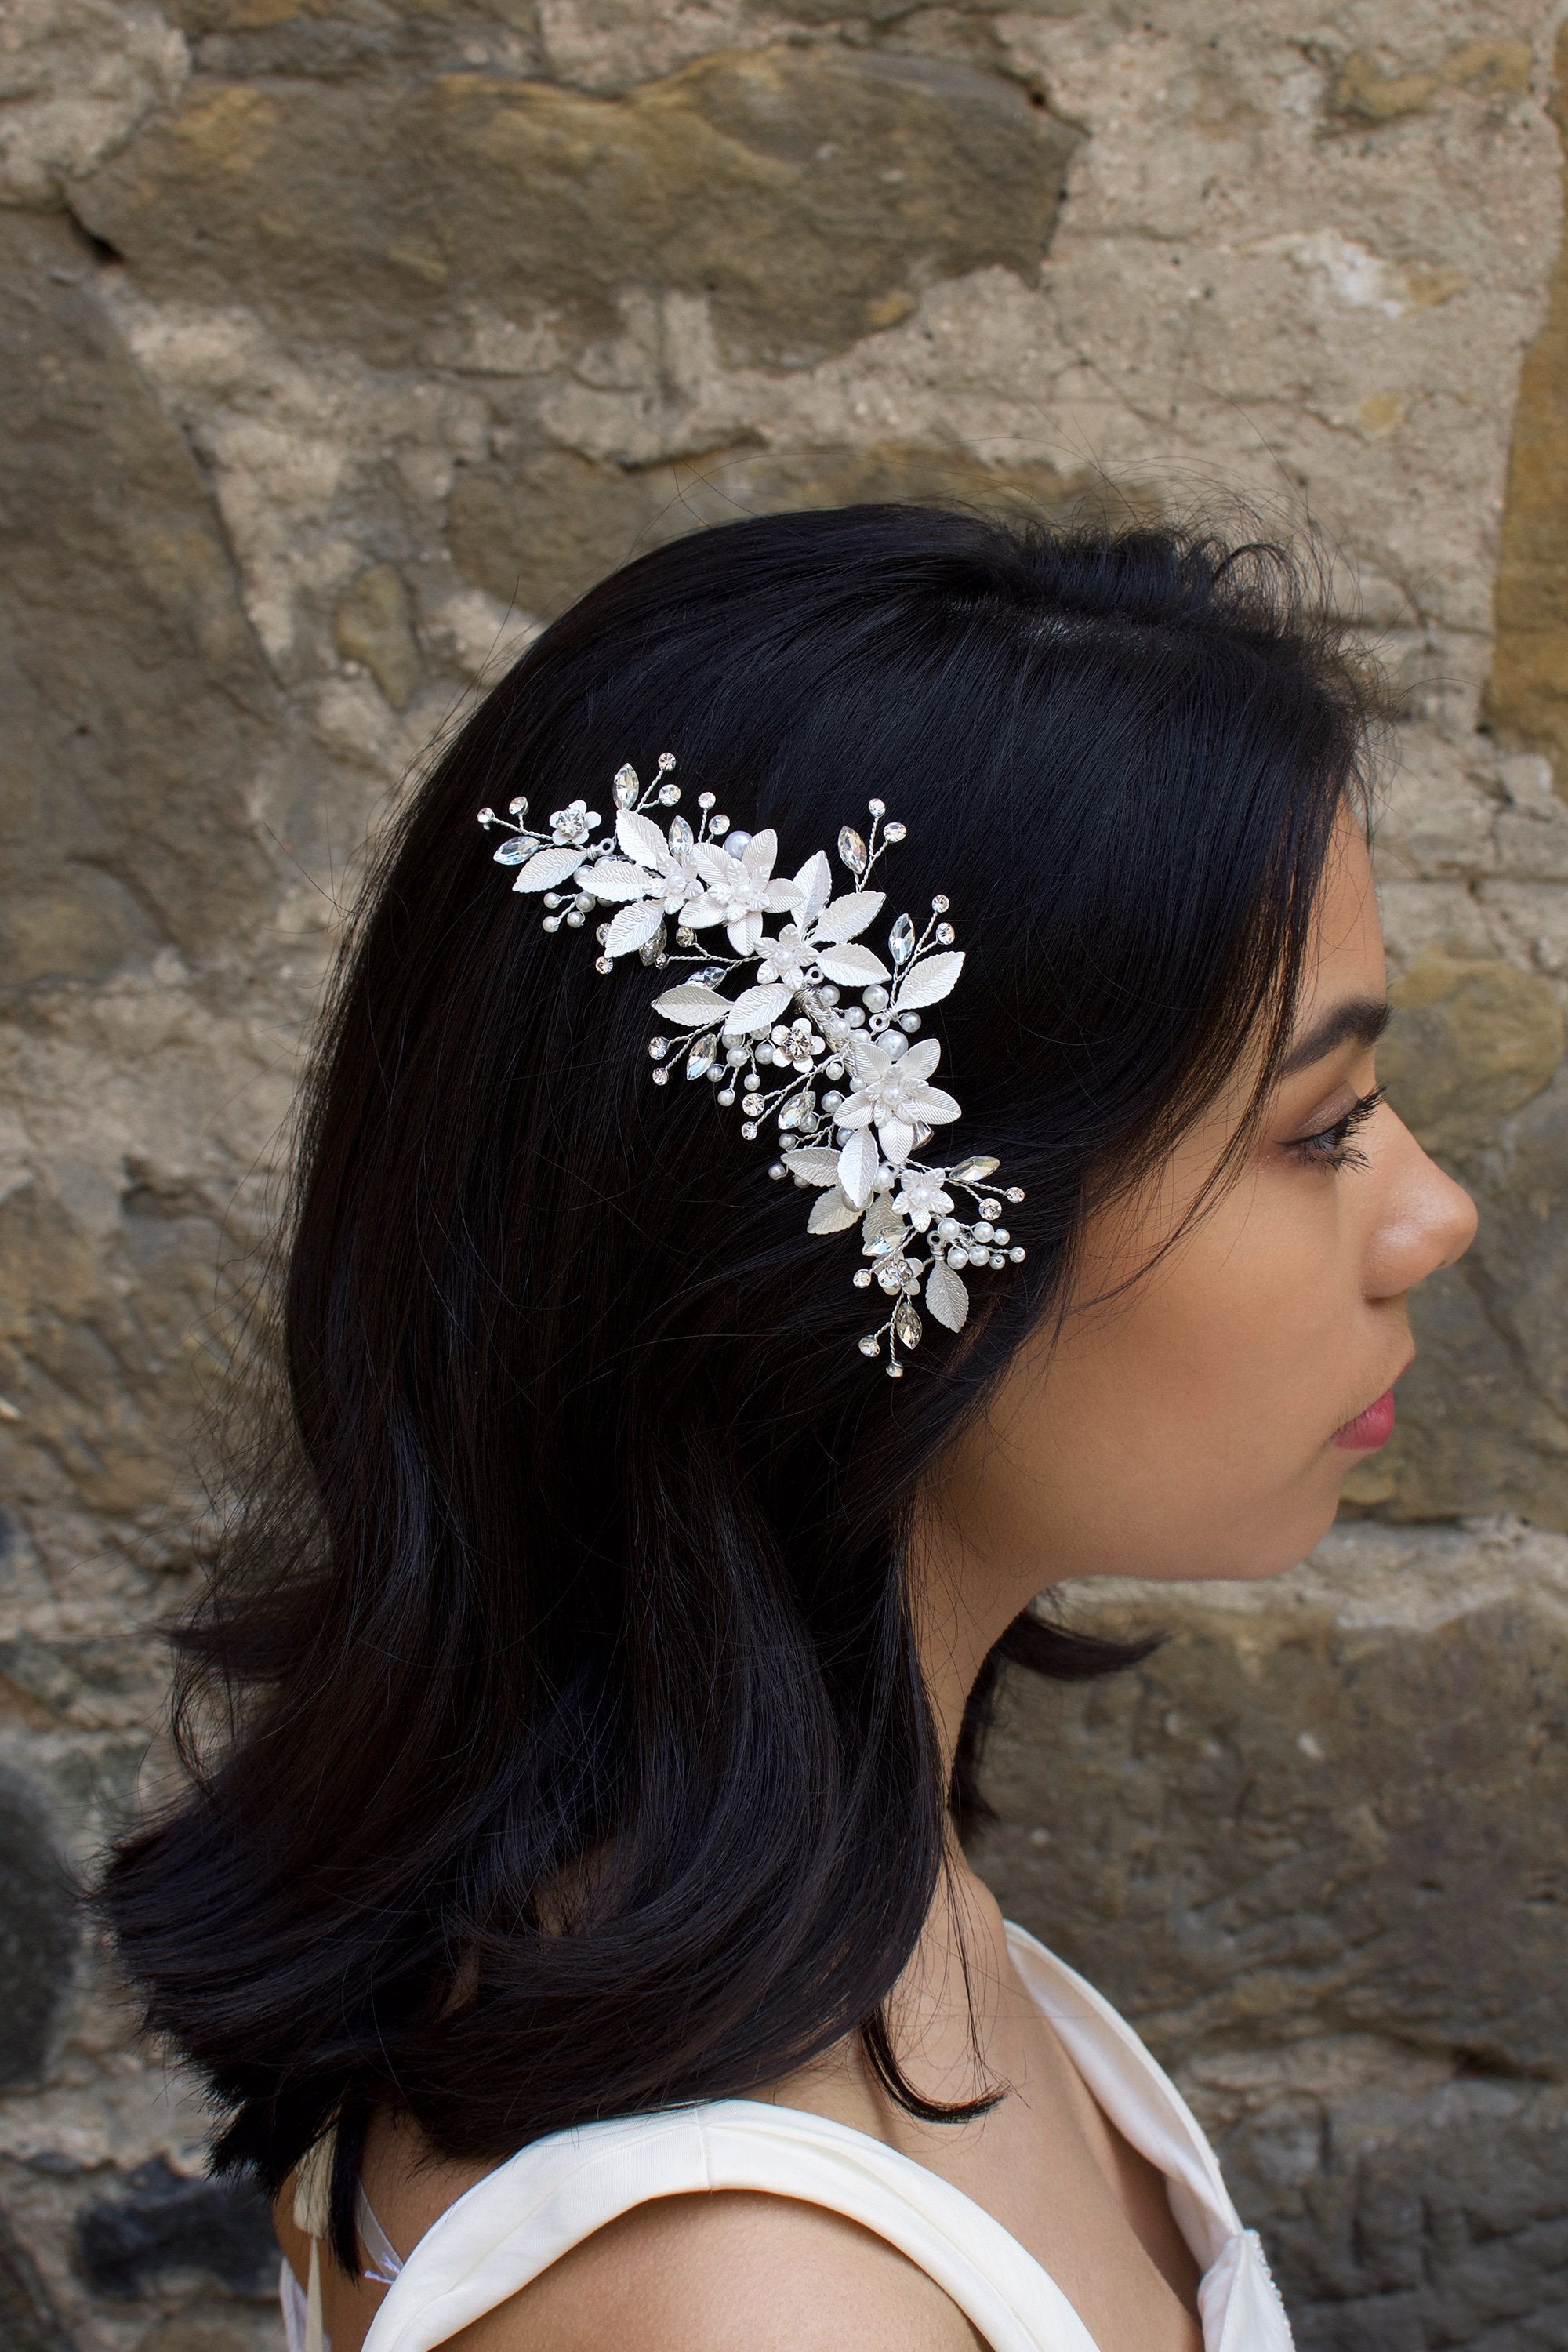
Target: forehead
(1347,947)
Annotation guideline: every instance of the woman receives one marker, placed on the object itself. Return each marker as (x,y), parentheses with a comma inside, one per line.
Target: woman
(605,1670)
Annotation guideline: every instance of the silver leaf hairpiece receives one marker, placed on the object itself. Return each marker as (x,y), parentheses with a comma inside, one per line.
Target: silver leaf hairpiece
(781,1037)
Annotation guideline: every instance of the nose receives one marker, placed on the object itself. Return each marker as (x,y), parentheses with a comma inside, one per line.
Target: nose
(1425,1219)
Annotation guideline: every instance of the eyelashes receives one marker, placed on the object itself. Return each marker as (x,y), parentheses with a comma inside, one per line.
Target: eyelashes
(1331,1147)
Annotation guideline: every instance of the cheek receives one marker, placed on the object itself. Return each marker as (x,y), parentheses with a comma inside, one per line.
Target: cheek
(1182,1431)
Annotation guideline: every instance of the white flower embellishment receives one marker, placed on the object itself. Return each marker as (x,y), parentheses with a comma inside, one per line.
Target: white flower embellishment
(846,1085)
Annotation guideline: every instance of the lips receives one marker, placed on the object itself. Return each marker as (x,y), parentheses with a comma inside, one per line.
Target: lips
(1370,1429)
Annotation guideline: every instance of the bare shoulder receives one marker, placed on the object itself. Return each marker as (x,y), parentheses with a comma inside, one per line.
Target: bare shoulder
(727,2271)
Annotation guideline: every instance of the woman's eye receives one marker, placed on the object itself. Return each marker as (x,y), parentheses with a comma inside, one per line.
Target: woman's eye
(1331,1147)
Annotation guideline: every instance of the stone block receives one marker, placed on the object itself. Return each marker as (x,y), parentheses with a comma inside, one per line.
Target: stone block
(38,1933)
(134,694)
(1473,1039)
(28,2320)
(743,176)
(1418,2220)
(1527,697)
(1336,1803)
(372,626)
(161,2227)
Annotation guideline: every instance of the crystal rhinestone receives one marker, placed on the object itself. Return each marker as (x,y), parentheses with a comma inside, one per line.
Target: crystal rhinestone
(895,1371)
(706,799)
(626,787)
(970,1171)
(878,808)
(718,827)
(514,852)
(487,816)
(852,850)
(991,1209)
(709,974)
(901,940)
(552,923)
(601,933)
(946,934)
(681,837)
(685,939)
(940,903)
(519,807)
(749,1130)
(894,832)
(889,1276)
(863,1278)
(659,1047)
(1015,1191)
(1017,1254)
(661,1078)
(669,794)
(906,1324)
(752,1105)
(700,1061)
(869,1345)
(601,963)
(909,1021)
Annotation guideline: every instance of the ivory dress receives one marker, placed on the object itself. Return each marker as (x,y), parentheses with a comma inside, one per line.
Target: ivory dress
(551,2195)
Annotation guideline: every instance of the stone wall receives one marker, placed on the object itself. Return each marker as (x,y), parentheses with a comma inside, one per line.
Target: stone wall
(346,340)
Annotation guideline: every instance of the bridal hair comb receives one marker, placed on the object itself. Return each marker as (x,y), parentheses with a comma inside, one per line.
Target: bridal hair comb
(846,1085)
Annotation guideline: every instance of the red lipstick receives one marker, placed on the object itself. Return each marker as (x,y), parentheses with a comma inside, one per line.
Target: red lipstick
(1370,1429)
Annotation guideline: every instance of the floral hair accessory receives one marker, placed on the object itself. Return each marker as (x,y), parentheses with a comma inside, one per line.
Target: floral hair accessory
(846,1085)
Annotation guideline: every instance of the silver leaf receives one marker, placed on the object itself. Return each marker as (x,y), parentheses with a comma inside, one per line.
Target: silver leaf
(633,927)
(813,1167)
(852,966)
(547,868)
(847,916)
(946,1297)
(757,1009)
(858,1164)
(831,1214)
(613,879)
(694,1007)
(928,981)
(641,839)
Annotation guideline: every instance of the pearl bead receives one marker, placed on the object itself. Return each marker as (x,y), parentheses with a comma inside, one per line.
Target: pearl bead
(875,999)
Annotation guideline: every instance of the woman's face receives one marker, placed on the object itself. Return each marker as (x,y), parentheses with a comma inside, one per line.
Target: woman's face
(1201,1424)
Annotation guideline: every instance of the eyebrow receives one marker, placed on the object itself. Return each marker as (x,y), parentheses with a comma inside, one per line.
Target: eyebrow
(1359,1020)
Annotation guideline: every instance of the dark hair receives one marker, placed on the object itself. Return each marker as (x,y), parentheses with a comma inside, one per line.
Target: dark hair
(575,1755)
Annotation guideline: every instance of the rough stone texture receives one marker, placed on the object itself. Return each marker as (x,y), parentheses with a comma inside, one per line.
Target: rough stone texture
(341,341)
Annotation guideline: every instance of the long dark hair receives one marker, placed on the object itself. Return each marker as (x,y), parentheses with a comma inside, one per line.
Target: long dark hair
(574,1753)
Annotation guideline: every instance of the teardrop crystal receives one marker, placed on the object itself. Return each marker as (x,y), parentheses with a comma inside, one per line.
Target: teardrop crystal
(970,1172)
(515,852)
(853,850)
(700,1061)
(901,940)
(680,836)
(906,1324)
(709,977)
(626,787)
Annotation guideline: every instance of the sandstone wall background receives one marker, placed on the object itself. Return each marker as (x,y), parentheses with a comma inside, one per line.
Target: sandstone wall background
(343,340)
